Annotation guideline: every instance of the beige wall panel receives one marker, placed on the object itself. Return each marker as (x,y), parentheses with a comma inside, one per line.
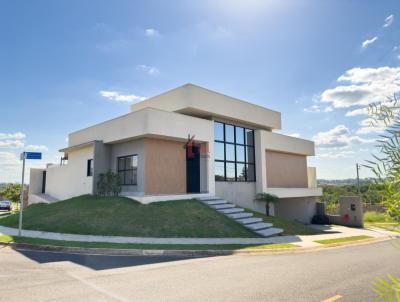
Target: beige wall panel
(286,170)
(165,167)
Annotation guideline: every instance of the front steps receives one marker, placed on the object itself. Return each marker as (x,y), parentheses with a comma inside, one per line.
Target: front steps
(238,214)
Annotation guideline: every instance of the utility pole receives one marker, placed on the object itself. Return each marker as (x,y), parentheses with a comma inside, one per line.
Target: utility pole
(358,178)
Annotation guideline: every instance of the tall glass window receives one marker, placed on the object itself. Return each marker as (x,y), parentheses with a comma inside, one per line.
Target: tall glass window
(234,153)
(127,169)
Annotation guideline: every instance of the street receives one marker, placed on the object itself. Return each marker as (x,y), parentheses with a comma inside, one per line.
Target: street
(343,274)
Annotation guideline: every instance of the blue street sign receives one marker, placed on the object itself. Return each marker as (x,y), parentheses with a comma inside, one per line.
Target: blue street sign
(33,155)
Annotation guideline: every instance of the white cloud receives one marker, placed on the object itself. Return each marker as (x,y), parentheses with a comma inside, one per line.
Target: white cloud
(368,42)
(16,135)
(370,129)
(150,70)
(367,85)
(338,137)
(297,135)
(371,126)
(116,96)
(317,108)
(336,154)
(8,159)
(360,111)
(11,144)
(151,32)
(388,21)
(36,148)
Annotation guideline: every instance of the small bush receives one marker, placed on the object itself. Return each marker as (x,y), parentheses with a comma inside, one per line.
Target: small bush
(320,219)
(109,184)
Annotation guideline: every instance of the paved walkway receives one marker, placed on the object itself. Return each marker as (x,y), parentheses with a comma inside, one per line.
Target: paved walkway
(304,241)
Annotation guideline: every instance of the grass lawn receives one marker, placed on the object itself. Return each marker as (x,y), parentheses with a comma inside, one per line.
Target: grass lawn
(388,226)
(381,220)
(344,239)
(289,227)
(37,241)
(120,216)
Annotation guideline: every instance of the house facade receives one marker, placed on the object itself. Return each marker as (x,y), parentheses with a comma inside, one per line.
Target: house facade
(189,140)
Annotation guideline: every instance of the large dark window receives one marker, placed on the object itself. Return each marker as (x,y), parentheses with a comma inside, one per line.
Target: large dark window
(234,153)
(127,169)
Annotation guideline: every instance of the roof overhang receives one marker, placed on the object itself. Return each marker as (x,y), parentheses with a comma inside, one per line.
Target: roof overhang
(198,101)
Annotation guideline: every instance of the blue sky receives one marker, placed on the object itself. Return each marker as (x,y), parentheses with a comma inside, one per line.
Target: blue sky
(65,65)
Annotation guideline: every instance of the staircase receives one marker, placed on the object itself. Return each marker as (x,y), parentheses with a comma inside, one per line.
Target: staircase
(239,215)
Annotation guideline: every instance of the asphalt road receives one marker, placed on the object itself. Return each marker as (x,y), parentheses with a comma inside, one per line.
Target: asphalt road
(346,273)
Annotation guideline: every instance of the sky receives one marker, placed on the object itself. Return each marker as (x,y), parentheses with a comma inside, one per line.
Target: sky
(65,65)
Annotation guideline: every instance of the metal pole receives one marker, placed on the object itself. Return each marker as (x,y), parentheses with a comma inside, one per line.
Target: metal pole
(21,200)
(358,178)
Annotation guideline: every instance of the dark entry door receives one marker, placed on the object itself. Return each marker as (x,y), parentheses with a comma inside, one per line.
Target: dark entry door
(192,169)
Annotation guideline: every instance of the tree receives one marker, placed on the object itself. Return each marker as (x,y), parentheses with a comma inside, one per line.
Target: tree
(386,165)
(268,198)
(12,192)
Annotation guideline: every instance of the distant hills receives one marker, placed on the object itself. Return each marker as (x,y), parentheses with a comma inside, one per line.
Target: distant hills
(348,181)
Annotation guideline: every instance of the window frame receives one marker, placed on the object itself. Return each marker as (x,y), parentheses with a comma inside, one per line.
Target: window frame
(235,161)
(89,167)
(125,170)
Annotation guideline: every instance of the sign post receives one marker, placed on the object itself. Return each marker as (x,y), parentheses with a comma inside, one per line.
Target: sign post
(25,155)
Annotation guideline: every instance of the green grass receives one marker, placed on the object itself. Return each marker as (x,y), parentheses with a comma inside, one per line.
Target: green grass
(376,217)
(289,227)
(120,216)
(344,239)
(381,220)
(38,241)
(388,226)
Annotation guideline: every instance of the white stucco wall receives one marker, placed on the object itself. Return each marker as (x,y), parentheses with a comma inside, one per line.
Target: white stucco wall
(35,180)
(300,209)
(195,100)
(70,180)
(148,122)
(239,193)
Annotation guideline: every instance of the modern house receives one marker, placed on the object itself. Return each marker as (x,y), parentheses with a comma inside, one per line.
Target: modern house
(187,142)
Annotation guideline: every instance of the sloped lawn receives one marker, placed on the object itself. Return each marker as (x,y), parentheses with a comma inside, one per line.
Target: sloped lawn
(120,216)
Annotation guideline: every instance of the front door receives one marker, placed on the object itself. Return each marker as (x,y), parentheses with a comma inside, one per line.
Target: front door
(192,169)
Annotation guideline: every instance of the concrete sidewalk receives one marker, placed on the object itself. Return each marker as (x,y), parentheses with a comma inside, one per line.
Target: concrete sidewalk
(303,241)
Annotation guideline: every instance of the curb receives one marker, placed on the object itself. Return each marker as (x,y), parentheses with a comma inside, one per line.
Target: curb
(185,253)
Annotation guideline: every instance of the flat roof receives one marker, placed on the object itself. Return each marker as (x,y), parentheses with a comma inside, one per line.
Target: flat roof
(194,100)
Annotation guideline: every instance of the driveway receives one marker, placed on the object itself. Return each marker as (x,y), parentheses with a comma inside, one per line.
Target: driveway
(311,276)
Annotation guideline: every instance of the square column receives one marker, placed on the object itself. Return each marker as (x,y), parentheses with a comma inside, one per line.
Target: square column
(261,168)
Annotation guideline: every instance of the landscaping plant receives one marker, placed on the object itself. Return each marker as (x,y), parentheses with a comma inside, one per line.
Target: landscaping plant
(109,184)
(268,198)
(387,164)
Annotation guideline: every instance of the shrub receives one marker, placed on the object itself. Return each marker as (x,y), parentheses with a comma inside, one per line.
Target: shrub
(109,184)
(320,219)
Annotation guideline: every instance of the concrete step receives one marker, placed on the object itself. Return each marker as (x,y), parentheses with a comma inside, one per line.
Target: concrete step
(249,220)
(214,202)
(240,215)
(209,198)
(269,232)
(222,206)
(258,226)
(231,210)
